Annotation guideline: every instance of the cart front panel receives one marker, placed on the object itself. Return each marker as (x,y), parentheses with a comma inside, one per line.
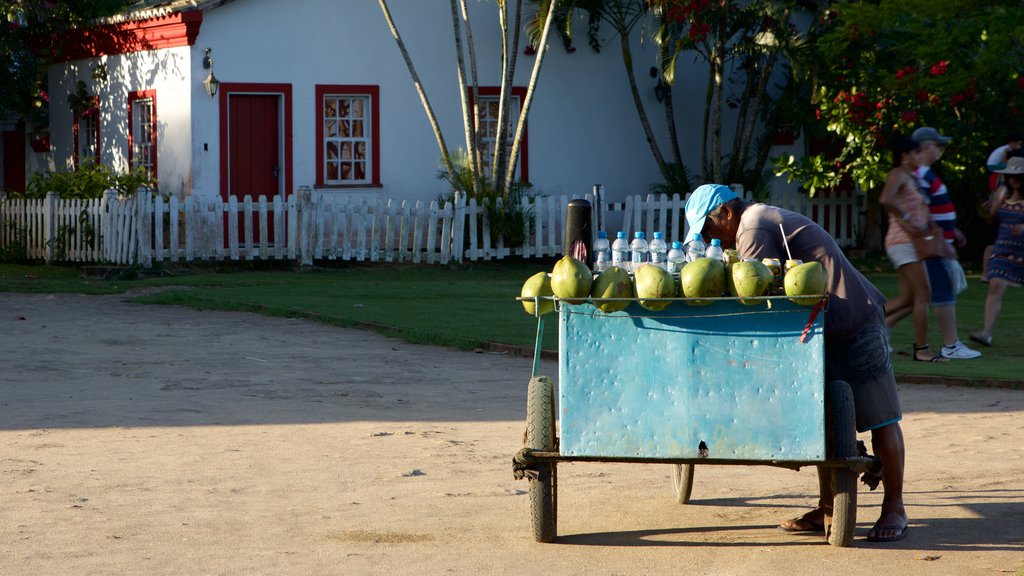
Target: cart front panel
(724,381)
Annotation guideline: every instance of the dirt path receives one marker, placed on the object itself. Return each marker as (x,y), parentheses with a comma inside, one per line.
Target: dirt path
(159,440)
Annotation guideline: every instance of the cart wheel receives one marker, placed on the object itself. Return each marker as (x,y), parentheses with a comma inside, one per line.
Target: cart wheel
(840,428)
(540,435)
(682,481)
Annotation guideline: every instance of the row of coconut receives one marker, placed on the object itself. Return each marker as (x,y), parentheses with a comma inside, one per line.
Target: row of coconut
(653,287)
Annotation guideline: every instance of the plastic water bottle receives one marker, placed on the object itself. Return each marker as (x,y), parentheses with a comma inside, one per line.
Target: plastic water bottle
(695,248)
(715,250)
(637,251)
(602,252)
(676,258)
(620,251)
(659,252)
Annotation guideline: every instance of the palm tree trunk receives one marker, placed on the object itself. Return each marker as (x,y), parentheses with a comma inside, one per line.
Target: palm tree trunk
(445,156)
(718,64)
(670,116)
(475,87)
(518,138)
(460,67)
(509,58)
(708,99)
(627,60)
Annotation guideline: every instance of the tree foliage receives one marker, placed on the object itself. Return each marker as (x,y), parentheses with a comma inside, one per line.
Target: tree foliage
(31,34)
(885,68)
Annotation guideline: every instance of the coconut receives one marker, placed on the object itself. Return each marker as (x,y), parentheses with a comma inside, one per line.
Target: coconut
(749,279)
(612,283)
(537,285)
(807,279)
(654,282)
(571,279)
(702,278)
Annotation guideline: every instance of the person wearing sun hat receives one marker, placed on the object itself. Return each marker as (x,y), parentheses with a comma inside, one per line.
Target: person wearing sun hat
(942,272)
(856,346)
(1006,266)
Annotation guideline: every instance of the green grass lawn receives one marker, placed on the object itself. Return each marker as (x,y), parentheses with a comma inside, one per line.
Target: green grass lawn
(469,305)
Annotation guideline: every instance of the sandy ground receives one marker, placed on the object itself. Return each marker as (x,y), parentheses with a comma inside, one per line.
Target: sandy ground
(159,440)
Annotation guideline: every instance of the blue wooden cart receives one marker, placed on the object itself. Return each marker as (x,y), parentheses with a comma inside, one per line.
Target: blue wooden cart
(721,383)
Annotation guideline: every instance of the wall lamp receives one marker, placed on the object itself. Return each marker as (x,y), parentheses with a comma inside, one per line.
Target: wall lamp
(211,83)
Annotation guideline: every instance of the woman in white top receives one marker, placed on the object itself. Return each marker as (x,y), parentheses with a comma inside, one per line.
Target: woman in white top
(908,217)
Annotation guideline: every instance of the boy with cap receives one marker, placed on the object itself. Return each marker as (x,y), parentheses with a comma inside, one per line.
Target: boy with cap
(940,269)
(856,349)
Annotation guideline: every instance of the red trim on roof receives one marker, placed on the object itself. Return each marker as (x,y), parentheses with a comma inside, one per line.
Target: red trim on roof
(171,31)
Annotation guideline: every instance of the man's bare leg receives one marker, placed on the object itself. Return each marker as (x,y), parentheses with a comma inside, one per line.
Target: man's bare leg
(887,443)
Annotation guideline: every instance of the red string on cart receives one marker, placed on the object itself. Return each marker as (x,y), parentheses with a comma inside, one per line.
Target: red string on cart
(814,314)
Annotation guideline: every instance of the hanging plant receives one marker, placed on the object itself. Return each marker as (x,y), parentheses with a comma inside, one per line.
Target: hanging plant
(81,102)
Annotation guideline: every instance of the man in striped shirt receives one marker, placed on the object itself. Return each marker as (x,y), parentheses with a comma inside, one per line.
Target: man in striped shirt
(940,269)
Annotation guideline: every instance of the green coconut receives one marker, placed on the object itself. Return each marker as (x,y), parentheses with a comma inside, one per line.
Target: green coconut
(612,283)
(749,279)
(654,282)
(537,285)
(702,278)
(571,279)
(807,279)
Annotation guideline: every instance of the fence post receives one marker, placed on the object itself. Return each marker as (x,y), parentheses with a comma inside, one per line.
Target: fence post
(144,221)
(108,217)
(307,219)
(50,225)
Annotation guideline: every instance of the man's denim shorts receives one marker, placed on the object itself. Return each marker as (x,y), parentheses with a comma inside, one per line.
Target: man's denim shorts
(862,360)
(942,284)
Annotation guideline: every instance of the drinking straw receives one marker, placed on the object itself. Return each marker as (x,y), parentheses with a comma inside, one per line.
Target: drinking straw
(784,242)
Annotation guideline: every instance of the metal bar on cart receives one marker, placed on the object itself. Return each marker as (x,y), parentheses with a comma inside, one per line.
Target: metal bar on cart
(537,342)
(858,464)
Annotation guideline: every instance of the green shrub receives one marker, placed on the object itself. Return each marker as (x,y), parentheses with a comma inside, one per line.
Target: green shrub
(90,180)
(509,220)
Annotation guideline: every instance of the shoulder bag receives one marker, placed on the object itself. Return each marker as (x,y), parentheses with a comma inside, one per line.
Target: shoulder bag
(932,244)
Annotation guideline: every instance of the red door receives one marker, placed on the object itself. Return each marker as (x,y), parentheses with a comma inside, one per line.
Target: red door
(254,153)
(14,159)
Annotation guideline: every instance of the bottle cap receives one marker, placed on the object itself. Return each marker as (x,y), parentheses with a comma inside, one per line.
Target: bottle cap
(697,236)
(716,242)
(639,235)
(657,235)
(602,234)
(677,245)
(620,234)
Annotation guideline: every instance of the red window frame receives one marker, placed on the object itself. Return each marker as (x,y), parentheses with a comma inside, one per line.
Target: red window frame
(132,98)
(375,161)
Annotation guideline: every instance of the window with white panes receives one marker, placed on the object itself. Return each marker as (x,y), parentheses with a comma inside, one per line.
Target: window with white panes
(142,115)
(87,136)
(346,142)
(487,127)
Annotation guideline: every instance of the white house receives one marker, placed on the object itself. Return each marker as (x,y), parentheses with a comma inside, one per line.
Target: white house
(288,73)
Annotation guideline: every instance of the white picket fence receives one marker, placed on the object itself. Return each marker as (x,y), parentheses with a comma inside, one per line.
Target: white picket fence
(307,226)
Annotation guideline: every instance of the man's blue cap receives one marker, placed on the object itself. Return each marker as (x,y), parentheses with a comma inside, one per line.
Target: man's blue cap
(703,201)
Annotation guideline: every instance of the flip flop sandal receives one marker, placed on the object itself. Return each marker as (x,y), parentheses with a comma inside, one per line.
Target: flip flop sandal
(983,340)
(899,535)
(934,358)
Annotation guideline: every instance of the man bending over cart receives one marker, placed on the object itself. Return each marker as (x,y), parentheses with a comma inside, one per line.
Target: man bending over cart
(856,348)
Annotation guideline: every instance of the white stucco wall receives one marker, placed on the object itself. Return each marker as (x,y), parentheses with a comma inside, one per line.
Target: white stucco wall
(166,71)
(583,127)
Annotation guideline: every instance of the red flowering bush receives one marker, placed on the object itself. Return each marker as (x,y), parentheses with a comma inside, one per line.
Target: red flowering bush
(881,69)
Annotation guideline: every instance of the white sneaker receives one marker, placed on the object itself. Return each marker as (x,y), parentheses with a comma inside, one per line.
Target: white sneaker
(959,351)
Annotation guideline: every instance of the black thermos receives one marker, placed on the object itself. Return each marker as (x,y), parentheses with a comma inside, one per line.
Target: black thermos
(579,238)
